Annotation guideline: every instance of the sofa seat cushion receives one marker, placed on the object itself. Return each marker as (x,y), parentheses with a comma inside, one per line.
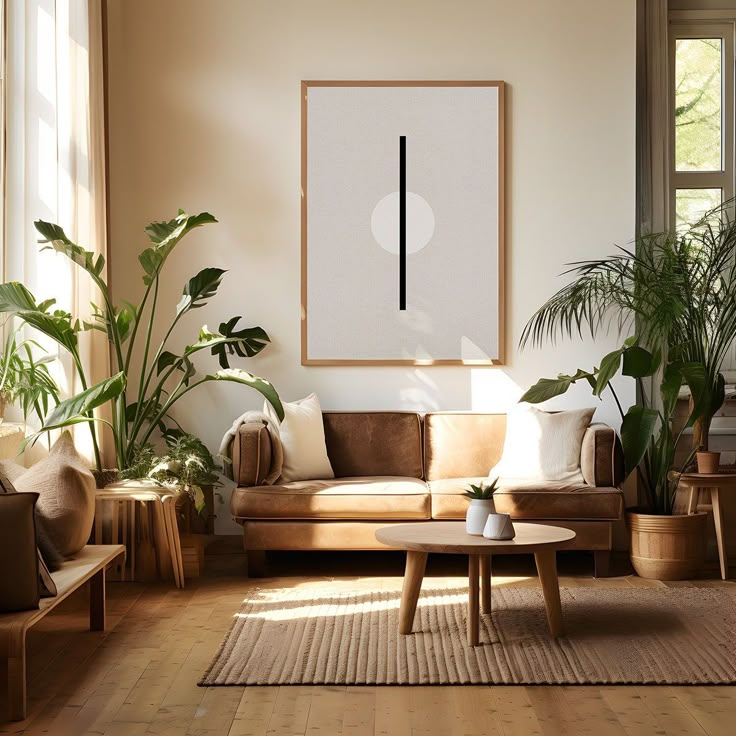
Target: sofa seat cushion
(365,497)
(543,500)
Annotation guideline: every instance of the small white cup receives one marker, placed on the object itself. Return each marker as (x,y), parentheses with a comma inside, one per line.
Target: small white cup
(499,526)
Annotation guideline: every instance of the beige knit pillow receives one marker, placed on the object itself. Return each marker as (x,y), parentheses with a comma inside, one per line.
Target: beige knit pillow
(66,489)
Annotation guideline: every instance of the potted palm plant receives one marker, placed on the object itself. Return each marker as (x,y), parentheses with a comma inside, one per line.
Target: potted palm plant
(148,379)
(663,545)
(678,292)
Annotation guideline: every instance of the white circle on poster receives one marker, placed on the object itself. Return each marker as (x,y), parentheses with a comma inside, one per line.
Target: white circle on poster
(420,222)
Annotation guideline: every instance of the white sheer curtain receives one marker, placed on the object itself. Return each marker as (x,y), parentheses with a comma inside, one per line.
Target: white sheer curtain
(55,164)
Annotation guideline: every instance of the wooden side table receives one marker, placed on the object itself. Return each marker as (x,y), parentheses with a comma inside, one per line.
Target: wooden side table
(163,503)
(715,483)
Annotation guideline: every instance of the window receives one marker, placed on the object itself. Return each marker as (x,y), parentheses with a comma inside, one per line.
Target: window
(702,167)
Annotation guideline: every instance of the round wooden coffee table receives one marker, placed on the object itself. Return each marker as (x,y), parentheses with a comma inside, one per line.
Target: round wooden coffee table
(449,537)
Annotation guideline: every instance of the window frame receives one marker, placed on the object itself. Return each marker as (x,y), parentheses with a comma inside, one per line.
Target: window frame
(725,178)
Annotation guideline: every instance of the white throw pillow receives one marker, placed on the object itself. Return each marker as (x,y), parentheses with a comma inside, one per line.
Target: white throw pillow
(541,445)
(303,438)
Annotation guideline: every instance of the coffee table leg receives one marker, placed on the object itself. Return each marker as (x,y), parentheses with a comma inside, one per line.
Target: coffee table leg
(473,600)
(485,583)
(547,570)
(416,563)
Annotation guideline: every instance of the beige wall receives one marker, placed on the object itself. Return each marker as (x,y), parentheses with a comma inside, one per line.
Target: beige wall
(204,115)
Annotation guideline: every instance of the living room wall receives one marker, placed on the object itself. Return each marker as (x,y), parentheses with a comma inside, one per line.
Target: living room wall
(204,114)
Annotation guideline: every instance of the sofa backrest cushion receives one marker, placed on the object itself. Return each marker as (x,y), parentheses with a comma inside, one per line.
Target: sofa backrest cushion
(462,444)
(374,443)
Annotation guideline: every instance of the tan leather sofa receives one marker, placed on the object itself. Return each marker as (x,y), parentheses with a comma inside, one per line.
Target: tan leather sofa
(398,467)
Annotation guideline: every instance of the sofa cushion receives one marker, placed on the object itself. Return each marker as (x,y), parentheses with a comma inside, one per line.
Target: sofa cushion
(545,500)
(374,443)
(542,445)
(457,445)
(373,497)
(302,435)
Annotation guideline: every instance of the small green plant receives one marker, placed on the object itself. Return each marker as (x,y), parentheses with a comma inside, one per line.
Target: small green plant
(24,379)
(186,467)
(482,492)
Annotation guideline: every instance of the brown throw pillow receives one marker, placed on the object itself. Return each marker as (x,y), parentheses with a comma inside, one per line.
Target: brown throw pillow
(66,489)
(23,575)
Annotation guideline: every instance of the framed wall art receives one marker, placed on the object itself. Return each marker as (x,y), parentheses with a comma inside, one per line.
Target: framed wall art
(402,223)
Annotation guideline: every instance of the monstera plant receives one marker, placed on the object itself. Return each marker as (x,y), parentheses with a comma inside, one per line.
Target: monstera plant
(138,408)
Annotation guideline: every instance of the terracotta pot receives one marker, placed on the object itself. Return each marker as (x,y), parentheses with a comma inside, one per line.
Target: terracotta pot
(666,547)
(708,462)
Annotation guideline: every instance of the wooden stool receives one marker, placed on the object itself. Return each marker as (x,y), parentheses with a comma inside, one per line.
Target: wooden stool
(163,502)
(715,483)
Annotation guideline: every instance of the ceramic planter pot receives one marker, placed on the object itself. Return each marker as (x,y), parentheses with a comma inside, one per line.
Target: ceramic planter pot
(666,547)
(708,462)
(475,519)
(499,526)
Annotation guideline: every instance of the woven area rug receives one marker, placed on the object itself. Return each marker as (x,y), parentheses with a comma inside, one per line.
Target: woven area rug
(309,636)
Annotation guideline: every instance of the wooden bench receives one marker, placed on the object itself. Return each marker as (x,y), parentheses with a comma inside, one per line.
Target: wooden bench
(89,564)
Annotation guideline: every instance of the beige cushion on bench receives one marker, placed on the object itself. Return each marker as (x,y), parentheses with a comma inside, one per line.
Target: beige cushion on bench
(66,489)
(371,497)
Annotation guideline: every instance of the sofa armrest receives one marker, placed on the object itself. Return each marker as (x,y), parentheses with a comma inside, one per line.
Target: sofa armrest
(601,456)
(252,452)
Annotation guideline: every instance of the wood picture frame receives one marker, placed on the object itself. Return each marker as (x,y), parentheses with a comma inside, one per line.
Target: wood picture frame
(497,255)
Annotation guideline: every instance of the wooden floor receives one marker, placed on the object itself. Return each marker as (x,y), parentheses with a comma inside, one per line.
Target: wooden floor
(140,676)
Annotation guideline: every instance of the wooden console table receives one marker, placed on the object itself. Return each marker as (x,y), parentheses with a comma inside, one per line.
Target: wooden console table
(715,483)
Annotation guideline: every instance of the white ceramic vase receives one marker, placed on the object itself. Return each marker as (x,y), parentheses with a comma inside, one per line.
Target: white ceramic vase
(499,526)
(477,514)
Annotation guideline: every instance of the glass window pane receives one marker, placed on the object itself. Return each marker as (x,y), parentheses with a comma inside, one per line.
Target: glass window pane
(692,204)
(698,104)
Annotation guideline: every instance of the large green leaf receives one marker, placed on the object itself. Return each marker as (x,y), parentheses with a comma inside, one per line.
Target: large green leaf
(639,362)
(58,325)
(245,343)
(199,289)
(637,429)
(165,236)
(609,368)
(76,408)
(547,388)
(54,235)
(236,375)
(670,387)
(700,385)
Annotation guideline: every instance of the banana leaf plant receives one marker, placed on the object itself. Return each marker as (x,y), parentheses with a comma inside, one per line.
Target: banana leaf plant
(139,404)
(648,442)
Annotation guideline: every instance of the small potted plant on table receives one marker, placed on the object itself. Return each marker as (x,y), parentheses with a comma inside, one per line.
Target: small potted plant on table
(481,505)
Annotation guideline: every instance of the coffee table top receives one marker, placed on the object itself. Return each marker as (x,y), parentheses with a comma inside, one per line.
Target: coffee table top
(450,537)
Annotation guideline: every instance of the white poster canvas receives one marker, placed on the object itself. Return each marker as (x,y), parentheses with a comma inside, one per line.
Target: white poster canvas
(402,222)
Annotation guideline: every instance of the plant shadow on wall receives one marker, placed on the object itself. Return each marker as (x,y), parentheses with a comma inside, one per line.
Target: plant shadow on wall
(164,377)
(677,293)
